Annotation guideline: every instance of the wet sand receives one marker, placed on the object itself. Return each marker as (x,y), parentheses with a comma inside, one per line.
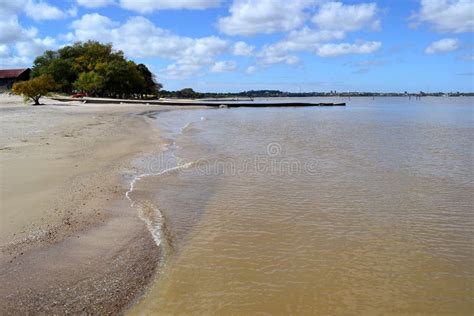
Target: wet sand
(69,240)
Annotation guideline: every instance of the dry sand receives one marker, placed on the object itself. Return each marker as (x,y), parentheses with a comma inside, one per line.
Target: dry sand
(69,240)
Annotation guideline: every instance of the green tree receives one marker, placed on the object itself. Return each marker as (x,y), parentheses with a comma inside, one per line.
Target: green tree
(159,86)
(120,77)
(89,82)
(35,88)
(42,62)
(116,78)
(187,93)
(151,87)
(136,84)
(63,74)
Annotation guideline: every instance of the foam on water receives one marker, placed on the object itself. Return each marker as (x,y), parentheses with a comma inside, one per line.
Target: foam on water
(151,215)
(154,225)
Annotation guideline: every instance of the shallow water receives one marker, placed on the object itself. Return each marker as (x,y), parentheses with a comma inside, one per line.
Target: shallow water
(348,210)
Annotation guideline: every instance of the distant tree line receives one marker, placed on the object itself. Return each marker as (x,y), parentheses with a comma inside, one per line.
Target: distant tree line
(96,69)
(189,93)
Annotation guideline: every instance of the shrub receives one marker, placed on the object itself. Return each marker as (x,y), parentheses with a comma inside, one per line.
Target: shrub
(35,88)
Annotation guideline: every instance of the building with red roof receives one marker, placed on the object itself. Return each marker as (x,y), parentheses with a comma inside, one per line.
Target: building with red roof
(9,76)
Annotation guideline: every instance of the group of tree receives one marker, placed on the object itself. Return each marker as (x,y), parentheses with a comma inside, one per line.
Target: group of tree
(93,68)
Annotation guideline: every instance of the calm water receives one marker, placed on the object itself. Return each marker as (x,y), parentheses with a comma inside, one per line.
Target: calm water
(364,209)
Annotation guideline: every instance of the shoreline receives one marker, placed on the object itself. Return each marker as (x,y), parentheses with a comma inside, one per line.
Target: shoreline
(70,241)
(201,102)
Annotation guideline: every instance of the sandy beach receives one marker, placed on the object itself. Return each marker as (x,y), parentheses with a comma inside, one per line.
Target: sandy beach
(69,240)
(204,238)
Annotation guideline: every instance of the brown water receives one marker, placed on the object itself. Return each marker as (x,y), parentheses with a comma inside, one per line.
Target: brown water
(366,209)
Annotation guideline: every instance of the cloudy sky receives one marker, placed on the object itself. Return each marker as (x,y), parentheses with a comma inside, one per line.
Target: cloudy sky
(234,45)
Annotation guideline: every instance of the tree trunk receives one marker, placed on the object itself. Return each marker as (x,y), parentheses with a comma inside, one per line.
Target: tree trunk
(36,99)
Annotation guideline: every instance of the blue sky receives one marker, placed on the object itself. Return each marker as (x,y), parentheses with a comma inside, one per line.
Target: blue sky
(235,45)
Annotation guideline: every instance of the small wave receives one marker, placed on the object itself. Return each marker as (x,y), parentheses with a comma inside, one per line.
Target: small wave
(153,219)
(185,127)
(152,216)
(188,125)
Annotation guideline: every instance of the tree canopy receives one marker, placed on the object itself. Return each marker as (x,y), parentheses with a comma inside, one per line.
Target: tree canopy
(96,69)
(89,81)
(35,88)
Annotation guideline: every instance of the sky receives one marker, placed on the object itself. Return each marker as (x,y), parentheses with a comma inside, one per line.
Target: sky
(238,45)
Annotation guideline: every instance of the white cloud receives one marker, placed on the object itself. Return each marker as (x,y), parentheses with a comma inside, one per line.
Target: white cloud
(223,66)
(41,10)
(242,49)
(330,50)
(19,45)
(92,27)
(35,9)
(444,45)
(4,50)
(275,54)
(72,12)
(181,70)
(333,21)
(452,16)
(13,61)
(341,17)
(95,3)
(34,47)
(250,17)
(139,37)
(314,41)
(308,39)
(147,6)
(11,31)
(11,7)
(251,70)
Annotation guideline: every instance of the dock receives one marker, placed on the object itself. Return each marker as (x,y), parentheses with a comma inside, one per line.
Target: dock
(216,103)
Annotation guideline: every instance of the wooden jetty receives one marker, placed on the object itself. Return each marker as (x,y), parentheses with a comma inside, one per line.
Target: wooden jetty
(247,104)
(216,103)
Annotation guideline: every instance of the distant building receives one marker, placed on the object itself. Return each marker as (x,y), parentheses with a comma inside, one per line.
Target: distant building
(9,76)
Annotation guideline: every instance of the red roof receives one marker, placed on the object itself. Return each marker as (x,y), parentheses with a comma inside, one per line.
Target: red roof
(11,73)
